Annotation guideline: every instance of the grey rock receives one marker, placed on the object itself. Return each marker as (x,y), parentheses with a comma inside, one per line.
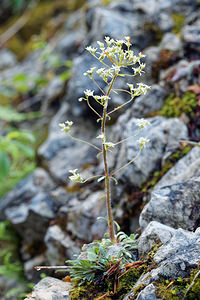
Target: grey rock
(82,215)
(148,293)
(37,182)
(179,256)
(59,246)
(50,288)
(7,59)
(144,279)
(54,89)
(59,153)
(69,43)
(171,42)
(172,260)
(154,233)
(163,135)
(31,217)
(150,102)
(191,35)
(30,264)
(154,7)
(109,22)
(175,205)
(117,21)
(183,170)
(78,83)
(165,22)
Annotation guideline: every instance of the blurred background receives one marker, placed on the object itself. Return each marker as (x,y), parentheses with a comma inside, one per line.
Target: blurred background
(45,219)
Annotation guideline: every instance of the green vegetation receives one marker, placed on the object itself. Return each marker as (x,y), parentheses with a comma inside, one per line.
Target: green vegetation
(16,157)
(10,263)
(97,262)
(175,106)
(179,20)
(180,288)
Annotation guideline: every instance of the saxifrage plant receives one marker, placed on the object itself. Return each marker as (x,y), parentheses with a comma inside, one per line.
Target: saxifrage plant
(115,60)
(113,256)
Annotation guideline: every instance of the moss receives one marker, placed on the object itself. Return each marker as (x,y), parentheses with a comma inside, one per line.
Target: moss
(175,106)
(93,291)
(165,168)
(179,20)
(175,289)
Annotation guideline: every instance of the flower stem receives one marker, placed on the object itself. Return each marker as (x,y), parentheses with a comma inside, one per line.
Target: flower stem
(107,177)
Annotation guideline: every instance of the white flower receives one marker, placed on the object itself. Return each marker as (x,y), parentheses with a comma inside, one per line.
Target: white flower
(66,126)
(130,86)
(88,93)
(141,89)
(141,55)
(101,45)
(120,42)
(142,141)
(101,136)
(138,70)
(100,71)
(76,177)
(142,123)
(116,69)
(109,41)
(109,145)
(89,72)
(91,49)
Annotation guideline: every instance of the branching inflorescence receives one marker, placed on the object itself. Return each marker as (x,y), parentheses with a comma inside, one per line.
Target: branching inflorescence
(114,60)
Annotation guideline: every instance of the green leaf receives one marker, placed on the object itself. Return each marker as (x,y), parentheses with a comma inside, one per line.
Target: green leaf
(29,152)
(65,75)
(9,114)
(117,225)
(4,165)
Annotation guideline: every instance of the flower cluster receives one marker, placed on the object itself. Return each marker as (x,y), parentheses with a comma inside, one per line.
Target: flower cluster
(117,55)
(141,89)
(108,145)
(66,126)
(76,177)
(142,123)
(143,141)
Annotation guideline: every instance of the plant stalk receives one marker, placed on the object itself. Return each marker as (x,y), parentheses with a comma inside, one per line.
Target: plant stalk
(107,177)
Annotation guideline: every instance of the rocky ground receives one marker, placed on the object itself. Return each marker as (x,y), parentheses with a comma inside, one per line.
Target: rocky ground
(160,193)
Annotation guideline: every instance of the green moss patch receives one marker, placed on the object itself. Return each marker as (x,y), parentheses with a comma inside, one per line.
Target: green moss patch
(92,291)
(179,20)
(177,289)
(175,106)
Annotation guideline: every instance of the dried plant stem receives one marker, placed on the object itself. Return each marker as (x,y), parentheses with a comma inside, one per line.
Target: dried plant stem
(107,177)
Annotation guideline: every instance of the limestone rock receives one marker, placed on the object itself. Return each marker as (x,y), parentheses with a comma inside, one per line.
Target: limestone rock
(154,233)
(175,205)
(148,103)
(171,42)
(50,289)
(163,135)
(179,256)
(183,170)
(148,293)
(59,246)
